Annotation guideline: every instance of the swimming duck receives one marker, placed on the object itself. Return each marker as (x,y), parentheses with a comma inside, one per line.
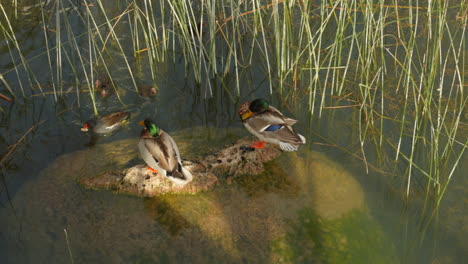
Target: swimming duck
(104,86)
(106,124)
(269,124)
(147,90)
(161,154)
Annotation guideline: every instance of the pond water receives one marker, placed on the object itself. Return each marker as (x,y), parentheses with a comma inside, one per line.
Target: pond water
(319,205)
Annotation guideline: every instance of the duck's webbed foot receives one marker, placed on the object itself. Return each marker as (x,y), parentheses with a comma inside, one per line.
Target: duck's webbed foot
(258,144)
(151,169)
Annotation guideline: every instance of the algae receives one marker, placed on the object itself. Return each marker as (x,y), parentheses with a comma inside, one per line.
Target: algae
(354,238)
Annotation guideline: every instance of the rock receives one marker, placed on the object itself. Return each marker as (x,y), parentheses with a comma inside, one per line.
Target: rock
(240,159)
(139,181)
(229,162)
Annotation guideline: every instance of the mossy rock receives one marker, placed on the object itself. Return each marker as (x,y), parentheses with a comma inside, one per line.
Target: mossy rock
(233,160)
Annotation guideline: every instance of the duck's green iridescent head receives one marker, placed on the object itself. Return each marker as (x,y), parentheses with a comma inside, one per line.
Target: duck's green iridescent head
(151,127)
(259,106)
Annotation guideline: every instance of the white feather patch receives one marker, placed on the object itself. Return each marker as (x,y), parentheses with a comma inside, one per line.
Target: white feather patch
(287,146)
(264,128)
(303,139)
(114,125)
(188,177)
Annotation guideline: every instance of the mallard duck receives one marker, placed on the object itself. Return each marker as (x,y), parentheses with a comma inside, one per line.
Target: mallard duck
(161,153)
(106,124)
(269,124)
(104,86)
(146,90)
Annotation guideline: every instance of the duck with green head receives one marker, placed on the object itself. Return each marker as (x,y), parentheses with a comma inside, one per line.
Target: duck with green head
(269,124)
(161,154)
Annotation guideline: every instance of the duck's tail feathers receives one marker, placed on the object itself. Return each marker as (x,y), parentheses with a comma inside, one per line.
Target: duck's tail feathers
(181,177)
(303,139)
(292,147)
(287,146)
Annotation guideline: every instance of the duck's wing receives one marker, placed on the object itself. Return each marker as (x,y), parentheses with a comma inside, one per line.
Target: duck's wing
(174,147)
(273,127)
(162,151)
(114,118)
(180,174)
(288,121)
(149,159)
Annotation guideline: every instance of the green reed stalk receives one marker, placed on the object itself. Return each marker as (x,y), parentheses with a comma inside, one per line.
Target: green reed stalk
(2,79)
(289,43)
(90,80)
(58,42)
(133,22)
(68,246)
(9,34)
(256,6)
(326,14)
(233,51)
(382,19)
(72,40)
(48,50)
(117,41)
(10,51)
(152,38)
(15,4)
(277,37)
(407,82)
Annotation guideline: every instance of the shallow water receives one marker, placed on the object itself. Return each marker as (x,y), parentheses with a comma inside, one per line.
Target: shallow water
(255,218)
(315,206)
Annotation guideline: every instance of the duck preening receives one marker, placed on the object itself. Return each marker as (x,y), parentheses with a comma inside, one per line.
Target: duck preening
(106,124)
(268,124)
(161,154)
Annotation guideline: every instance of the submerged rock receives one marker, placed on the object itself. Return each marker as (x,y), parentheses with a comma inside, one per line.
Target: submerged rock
(231,161)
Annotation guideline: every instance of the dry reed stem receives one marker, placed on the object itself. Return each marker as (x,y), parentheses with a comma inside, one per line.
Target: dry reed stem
(126,11)
(13,147)
(6,98)
(341,106)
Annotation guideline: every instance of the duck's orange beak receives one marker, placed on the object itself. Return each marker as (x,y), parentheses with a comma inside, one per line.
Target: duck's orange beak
(142,123)
(246,115)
